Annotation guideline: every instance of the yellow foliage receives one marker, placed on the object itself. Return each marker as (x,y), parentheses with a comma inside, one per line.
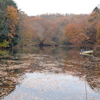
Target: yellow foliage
(12,14)
(13,19)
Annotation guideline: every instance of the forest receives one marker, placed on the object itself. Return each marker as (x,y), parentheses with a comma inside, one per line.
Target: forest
(19,29)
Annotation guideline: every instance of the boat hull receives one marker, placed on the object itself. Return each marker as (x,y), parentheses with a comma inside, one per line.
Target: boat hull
(87,52)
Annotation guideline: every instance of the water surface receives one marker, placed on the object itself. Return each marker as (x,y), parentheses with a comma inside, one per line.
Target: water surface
(49,74)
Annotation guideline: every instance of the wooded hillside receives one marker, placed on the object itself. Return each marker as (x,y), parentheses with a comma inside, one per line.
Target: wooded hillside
(47,29)
(58,29)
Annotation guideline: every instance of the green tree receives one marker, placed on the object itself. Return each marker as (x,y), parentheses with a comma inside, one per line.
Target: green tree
(96,9)
(5,20)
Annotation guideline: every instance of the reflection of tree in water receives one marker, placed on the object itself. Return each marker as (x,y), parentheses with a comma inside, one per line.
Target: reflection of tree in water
(93,76)
(87,67)
(8,78)
(7,84)
(6,89)
(12,70)
(83,67)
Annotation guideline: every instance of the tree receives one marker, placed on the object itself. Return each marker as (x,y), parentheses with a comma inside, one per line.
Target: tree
(12,24)
(27,32)
(93,19)
(98,33)
(96,9)
(74,33)
(45,31)
(6,9)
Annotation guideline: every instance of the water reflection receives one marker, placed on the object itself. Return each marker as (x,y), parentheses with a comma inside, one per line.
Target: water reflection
(49,74)
(8,77)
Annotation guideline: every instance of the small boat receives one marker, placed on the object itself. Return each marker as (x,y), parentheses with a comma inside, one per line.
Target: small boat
(87,52)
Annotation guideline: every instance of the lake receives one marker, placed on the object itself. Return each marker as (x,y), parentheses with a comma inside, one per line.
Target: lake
(49,73)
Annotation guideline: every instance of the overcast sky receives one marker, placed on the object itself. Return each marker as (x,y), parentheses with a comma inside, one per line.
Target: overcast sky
(35,7)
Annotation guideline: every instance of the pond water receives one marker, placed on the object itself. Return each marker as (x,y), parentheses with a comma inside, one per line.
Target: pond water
(49,73)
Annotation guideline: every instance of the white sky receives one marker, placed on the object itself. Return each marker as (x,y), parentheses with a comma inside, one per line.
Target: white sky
(35,7)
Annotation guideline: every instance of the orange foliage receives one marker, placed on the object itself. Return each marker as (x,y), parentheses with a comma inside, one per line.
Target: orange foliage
(13,19)
(10,35)
(27,31)
(94,18)
(75,34)
(98,33)
(37,18)
(72,30)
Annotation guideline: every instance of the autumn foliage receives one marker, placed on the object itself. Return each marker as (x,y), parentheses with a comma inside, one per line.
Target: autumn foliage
(47,29)
(12,21)
(9,21)
(75,34)
(57,29)
(12,14)
(98,33)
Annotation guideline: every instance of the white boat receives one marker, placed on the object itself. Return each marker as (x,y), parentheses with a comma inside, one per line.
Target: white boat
(87,52)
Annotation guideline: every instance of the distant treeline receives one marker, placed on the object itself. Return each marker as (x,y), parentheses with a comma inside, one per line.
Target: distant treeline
(16,27)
